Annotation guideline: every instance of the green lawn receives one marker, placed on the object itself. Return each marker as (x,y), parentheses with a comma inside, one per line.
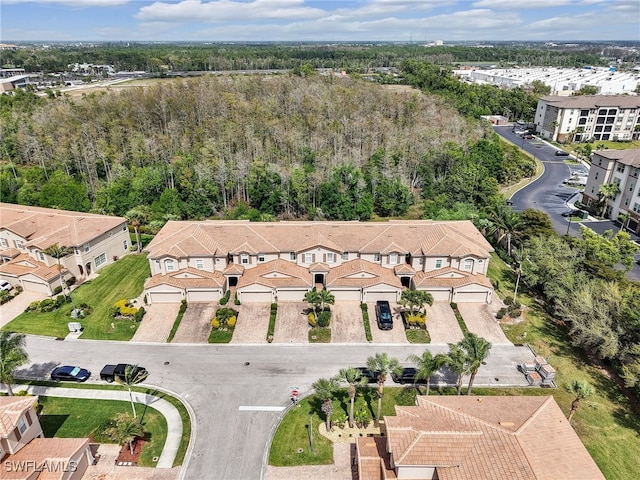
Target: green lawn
(418,336)
(122,279)
(73,417)
(221,336)
(320,335)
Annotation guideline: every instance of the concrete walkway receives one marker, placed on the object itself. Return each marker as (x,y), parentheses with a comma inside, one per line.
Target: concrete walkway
(340,469)
(171,414)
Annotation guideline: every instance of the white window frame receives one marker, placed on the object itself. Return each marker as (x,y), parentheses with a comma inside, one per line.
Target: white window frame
(22,425)
(18,244)
(4,243)
(261,257)
(438,263)
(468,265)
(169,265)
(86,247)
(308,257)
(345,256)
(244,259)
(199,263)
(393,258)
(40,255)
(330,257)
(293,256)
(100,259)
(376,257)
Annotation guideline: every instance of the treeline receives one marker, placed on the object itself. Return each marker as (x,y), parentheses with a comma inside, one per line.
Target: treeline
(284,146)
(354,58)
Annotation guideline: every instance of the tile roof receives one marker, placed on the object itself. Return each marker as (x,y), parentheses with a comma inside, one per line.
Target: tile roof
(593,101)
(220,237)
(11,409)
(10,253)
(449,277)
(360,273)
(50,455)
(464,438)
(42,227)
(373,460)
(626,157)
(188,278)
(277,274)
(24,264)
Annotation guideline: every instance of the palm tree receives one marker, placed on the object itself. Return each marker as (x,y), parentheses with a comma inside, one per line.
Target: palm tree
(57,251)
(312,297)
(125,430)
(606,192)
(415,299)
(582,390)
(354,378)
(132,376)
(12,356)
(136,217)
(426,365)
(457,361)
(505,224)
(325,389)
(384,366)
(477,349)
(326,298)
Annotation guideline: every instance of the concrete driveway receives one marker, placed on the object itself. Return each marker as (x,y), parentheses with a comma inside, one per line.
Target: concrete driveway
(253,323)
(396,334)
(17,305)
(157,322)
(442,324)
(346,323)
(195,326)
(292,325)
(481,320)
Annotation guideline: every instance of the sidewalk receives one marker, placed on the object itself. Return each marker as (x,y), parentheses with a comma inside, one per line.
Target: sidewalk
(171,414)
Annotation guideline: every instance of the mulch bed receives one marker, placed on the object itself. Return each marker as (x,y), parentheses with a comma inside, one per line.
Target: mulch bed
(126,458)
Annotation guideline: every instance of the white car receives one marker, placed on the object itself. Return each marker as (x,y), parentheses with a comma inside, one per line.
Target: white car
(4,285)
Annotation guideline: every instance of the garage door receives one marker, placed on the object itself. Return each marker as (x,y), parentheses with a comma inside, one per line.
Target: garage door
(36,287)
(371,296)
(291,295)
(476,297)
(346,295)
(441,295)
(165,297)
(203,296)
(255,297)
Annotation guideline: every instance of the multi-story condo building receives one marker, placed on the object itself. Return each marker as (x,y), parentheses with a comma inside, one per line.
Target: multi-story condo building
(621,167)
(585,117)
(281,261)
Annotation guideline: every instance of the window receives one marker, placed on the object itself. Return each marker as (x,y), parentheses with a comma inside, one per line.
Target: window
(124,227)
(468,264)
(76,251)
(261,257)
(4,242)
(86,247)
(376,257)
(308,257)
(330,257)
(244,259)
(100,259)
(199,264)
(636,207)
(393,258)
(293,256)
(18,244)
(125,245)
(170,266)
(345,256)
(41,255)
(22,426)
(439,263)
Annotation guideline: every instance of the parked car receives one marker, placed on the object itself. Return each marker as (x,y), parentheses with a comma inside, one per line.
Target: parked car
(408,375)
(111,372)
(4,285)
(370,375)
(70,373)
(527,136)
(571,213)
(561,153)
(383,315)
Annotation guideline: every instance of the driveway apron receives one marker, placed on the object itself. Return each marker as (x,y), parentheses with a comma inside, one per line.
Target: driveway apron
(346,323)
(395,335)
(481,320)
(442,324)
(195,326)
(253,323)
(292,325)
(157,323)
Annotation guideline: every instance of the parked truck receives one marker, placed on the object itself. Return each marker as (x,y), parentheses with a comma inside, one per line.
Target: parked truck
(113,372)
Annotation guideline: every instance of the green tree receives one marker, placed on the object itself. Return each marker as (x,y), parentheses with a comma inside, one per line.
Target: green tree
(352,377)
(539,89)
(384,366)
(12,356)
(313,298)
(415,299)
(64,192)
(57,251)
(581,390)
(326,298)
(608,249)
(132,376)
(325,389)
(458,363)
(125,430)
(505,224)
(606,192)
(426,365)
(138,216)
(477,350)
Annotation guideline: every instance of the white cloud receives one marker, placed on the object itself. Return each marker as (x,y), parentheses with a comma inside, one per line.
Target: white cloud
(227,10)
(521,4)
(72,3)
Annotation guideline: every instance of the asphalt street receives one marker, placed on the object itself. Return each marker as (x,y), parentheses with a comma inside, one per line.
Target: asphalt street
(230,442)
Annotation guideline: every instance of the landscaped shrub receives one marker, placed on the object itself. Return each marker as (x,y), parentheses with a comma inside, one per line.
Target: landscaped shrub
(183,306)
(501,313)
(225,298)
(70,281)
(508,301)
(33,306)
(139,314)
(236,300)
(515,313)
(339,419)
(225,317)
(311,317)
(125,308)
(215,323)
(362,418)
(415,320)
(324,319)
(47,305)
(60,300)
(231,322)
(454,305)
(57,290)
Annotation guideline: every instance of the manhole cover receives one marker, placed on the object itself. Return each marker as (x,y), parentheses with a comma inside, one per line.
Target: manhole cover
(246,364)
(166,363)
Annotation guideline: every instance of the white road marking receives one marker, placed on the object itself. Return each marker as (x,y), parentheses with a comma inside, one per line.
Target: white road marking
(259,408)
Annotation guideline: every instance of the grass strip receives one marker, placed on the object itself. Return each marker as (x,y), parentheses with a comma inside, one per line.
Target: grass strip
(176,323)
(320,335)
(272,322)
(463,326)
(365,321)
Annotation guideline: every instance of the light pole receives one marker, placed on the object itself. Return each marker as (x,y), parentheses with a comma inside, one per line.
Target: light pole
(311,431)
(568,225)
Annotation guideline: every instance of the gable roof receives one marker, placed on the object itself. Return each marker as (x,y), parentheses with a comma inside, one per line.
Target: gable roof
(188,278)
(42,227)
(627,157)
(449,277)
(520,438)
(360,273)
(221,237)
(24,264)
(11,410)
(276,274)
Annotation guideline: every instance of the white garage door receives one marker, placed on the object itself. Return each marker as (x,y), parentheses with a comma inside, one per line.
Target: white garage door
(36,287)
(440,295)
(203,296)
(371,296)
(165,297)
(346,295)
(476,297)
(255,297)
(291,295)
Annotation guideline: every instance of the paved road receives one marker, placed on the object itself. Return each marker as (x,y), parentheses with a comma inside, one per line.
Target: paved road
(232,443)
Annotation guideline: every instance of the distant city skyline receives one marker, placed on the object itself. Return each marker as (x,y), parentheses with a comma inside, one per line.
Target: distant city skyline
(419,21)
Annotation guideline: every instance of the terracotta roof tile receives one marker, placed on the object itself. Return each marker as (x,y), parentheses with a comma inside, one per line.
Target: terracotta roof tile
(55,452)
(449,277)
(188,278)
(277,274)
(11,409)
(360,273)
(24,264)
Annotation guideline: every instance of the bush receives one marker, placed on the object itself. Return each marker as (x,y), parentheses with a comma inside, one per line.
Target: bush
(125,308)
(224,315)
(324,319)
(47,305)
(33,306)
(340,419)
(57,290)
(236,300)
(183,306)
(508,301)
(139,314)
(362,418)
(501,313)
(454,305)
(225,298)
(60,300)
(311,317)
(231,321)
(215,323)
(70,281)
(415,320)
(515,313)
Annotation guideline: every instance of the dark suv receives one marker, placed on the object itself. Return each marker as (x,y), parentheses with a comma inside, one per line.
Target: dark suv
(408,375)
(561,153)
(383,315)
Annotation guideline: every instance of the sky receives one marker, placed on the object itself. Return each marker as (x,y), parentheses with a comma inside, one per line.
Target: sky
(419,21)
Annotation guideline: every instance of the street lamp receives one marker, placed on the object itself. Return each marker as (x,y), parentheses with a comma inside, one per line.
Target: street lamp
(568,225)
(311,431)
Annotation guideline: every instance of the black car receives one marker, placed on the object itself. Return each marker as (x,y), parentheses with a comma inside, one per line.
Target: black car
(383,315)
(371,376)
(408,375)
(70,373)
(561,153)
(571,213)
